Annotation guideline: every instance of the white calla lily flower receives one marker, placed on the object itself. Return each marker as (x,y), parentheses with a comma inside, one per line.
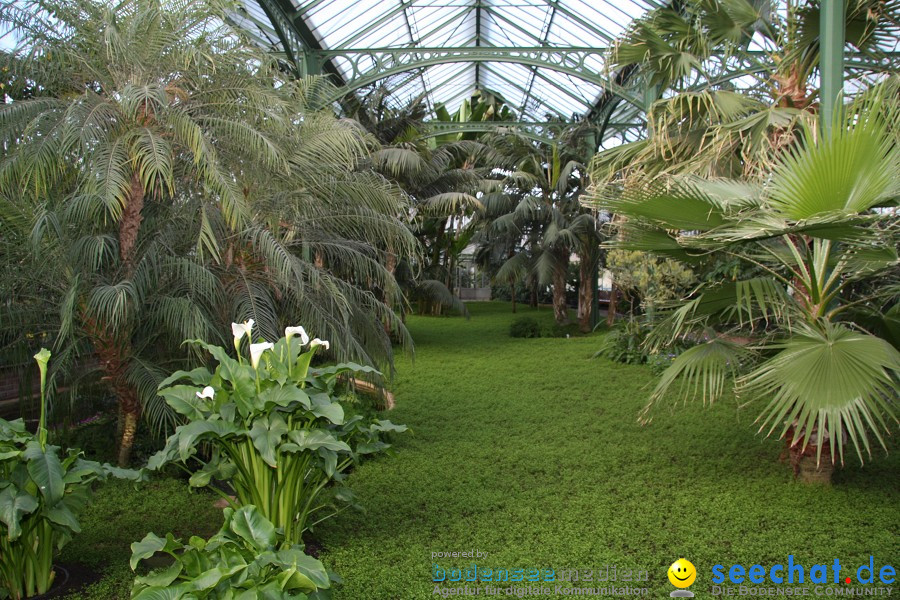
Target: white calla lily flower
(256,351)
(208,392)
(318,342)
(290,332)
(239,330)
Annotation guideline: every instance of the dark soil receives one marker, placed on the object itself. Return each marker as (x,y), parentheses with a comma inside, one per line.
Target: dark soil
(70,577)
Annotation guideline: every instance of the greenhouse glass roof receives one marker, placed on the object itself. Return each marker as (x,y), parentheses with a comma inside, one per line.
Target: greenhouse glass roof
(546,58)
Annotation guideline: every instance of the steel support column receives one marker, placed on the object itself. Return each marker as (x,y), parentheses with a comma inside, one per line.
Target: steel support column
(831,60)
(595,272)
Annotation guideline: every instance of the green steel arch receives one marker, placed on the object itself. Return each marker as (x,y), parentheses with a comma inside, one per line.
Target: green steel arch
(534,131)
(385,62)
(281,26)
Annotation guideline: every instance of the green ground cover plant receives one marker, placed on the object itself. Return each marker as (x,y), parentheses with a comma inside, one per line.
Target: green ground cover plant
(529,450)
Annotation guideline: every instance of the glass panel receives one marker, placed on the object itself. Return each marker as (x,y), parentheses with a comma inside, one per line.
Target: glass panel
(532,92)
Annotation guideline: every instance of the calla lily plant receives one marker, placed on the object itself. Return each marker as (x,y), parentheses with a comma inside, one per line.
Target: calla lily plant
(275,430)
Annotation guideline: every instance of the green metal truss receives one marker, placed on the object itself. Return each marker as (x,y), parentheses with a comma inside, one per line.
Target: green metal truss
(373,64)
(305,56)
(363,67)
(535,130)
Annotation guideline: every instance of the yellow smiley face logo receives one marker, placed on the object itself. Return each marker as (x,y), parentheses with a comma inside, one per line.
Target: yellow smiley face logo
(682,573)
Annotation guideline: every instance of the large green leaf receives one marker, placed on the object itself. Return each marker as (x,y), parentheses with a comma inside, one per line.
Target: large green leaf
(332,411)
(282,396)
(266,434)
(199,376)
(248,523)
(171,592)
(703,370)
(215,468)
(161,578)
(687,209)
(211,578)
(828,380)
(188,435)
(63,516)
(13,504)
(184,400)
(150,545)
(301,571)
(46,471)
(849,171)
(315,439)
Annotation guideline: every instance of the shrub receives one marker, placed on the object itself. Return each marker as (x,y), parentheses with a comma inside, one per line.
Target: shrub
(525,327)
(273,429)
(245,559)
(655,280)
(625,342)
(42,493)
(658,363)
(555,330)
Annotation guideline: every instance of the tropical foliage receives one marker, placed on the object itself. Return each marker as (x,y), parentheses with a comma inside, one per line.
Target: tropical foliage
(649,280)
(791,336)
(691,54)
(42,492)
(247,558)
(272,428)
(534,221)
(442,177)
(162,178)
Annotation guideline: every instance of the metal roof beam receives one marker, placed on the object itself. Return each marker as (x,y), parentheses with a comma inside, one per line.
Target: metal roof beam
(477,42)
(390,61)
(290,26)
(544,39)
(376,23)
(515,85)
(497,15)
(580,20)
(536,130)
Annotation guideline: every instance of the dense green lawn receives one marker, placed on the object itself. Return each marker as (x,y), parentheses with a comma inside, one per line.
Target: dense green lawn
(529,451)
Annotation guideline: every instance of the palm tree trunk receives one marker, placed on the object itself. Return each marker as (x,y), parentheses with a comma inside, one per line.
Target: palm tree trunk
(585,295)
(130,223)
(611,311)
(131,408)
(448,264)
(560,311)
(390,264)
(803,461)
(533,300)
(114,356)
(114,347)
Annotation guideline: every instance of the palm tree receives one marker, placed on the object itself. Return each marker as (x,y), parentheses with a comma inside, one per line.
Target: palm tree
(441,178)
(170,180)
(547,183)
(692,53)
(792,335)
